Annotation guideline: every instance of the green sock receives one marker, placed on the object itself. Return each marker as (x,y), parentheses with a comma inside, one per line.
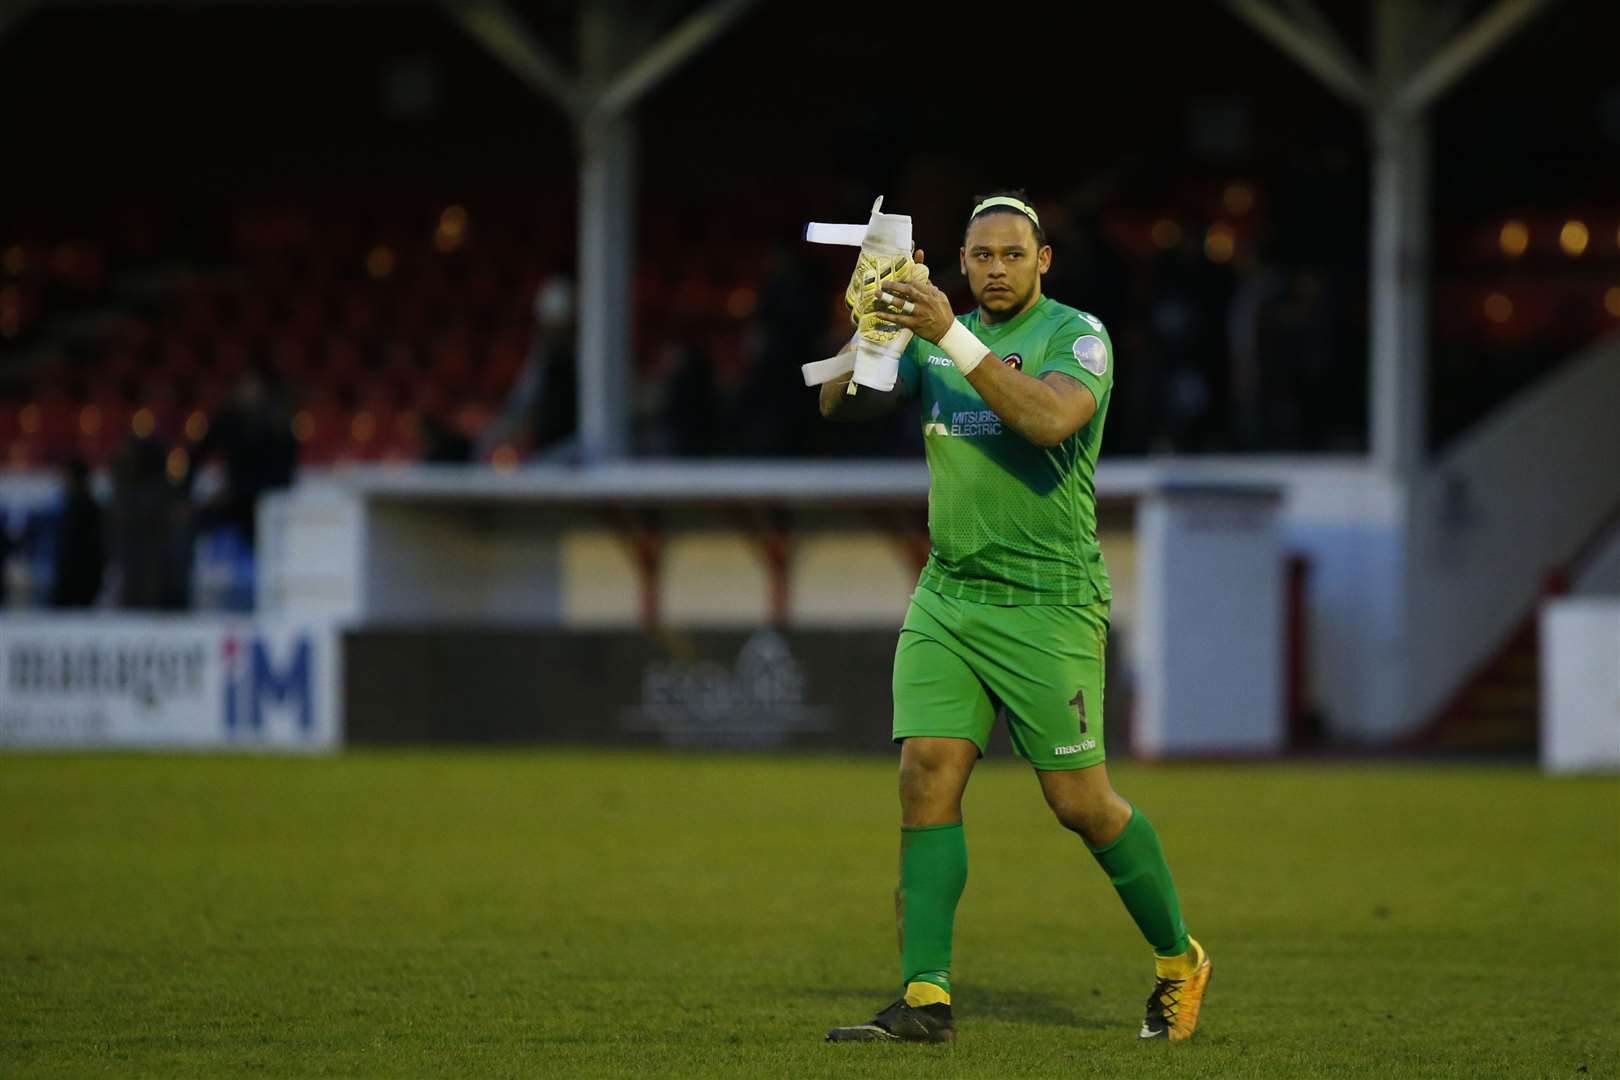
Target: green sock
(933,871)
(1134,862)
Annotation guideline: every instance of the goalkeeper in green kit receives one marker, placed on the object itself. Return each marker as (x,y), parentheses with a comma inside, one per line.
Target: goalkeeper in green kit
(1010,614)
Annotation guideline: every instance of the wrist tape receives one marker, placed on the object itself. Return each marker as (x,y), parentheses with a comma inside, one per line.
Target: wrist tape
(965,350)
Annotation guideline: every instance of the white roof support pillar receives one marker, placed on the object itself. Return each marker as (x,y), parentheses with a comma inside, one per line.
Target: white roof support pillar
(606,309)
(619,65)
(1310,40)
(492,25)
(1464,52)
(1398,337)
(607,171)
(1398,341)
(664,58)
(1416,59)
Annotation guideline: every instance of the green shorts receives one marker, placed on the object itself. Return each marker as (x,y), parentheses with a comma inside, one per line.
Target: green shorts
(960,663)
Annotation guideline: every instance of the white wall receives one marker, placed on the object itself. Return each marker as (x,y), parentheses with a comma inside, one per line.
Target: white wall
(1408,590)
(1580,684)
(1209,643)
(1514,499)
(1348,520)
(499,563)
(1350,526)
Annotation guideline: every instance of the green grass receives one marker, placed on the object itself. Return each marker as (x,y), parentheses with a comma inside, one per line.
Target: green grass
(563,914)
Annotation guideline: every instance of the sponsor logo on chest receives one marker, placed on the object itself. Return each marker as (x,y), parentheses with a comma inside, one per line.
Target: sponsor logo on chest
(964,423)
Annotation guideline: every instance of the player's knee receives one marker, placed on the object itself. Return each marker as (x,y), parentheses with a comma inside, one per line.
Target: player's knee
(930,788)
(924,760)
(947,759)
(1088,816)
(924,781)
(1076,819)
(920,808)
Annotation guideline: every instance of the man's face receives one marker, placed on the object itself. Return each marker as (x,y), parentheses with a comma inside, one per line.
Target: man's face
(1002,265)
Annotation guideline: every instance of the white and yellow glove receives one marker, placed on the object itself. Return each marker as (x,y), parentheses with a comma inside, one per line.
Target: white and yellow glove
(871,277)
(886,250)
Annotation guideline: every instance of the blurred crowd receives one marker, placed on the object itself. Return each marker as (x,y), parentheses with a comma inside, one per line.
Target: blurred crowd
(1238,353)
(168,431)
(369,263)
(161,528)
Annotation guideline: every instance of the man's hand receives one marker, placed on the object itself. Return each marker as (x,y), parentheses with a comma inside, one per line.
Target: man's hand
(920,307)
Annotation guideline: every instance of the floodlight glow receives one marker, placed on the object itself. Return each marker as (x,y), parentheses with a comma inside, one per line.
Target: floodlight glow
(1514,239)
(1573,238)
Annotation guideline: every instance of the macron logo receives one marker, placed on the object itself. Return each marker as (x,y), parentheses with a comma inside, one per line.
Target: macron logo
(1086,744)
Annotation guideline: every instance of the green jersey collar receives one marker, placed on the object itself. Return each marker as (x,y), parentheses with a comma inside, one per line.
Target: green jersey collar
(998,329)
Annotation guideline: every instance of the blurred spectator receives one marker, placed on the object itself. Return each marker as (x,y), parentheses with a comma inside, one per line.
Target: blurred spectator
(1186,328)
(1087,271)
(1259,288)
(80,557)
(1303,400)
(151,550)
(7,545)
(443,444)
(775,416)
(1136,414)
(543,403)
(683,421)
(253,434)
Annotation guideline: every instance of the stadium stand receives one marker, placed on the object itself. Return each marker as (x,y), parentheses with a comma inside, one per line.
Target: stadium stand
(389,277)
(427,312)
(383,235)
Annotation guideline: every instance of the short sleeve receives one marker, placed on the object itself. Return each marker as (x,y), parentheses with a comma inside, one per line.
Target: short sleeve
(1080,349)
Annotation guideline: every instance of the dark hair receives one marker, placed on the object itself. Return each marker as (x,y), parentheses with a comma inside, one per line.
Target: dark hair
(1010,193)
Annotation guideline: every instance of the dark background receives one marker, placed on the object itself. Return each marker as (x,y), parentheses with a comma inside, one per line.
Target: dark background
(228,139)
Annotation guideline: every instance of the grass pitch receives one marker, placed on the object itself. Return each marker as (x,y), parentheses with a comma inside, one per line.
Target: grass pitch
(572,914)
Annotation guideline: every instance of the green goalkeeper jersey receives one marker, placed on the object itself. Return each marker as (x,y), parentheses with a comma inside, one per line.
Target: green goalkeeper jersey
(1011,522)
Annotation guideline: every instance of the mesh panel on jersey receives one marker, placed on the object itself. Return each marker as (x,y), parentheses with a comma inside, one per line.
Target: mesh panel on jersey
(1011,522)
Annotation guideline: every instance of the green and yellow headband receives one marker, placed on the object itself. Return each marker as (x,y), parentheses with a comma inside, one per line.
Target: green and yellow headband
(1007,200)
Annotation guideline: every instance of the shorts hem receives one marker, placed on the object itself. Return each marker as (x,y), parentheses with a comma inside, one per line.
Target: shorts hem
(1069,764)
(896,736)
